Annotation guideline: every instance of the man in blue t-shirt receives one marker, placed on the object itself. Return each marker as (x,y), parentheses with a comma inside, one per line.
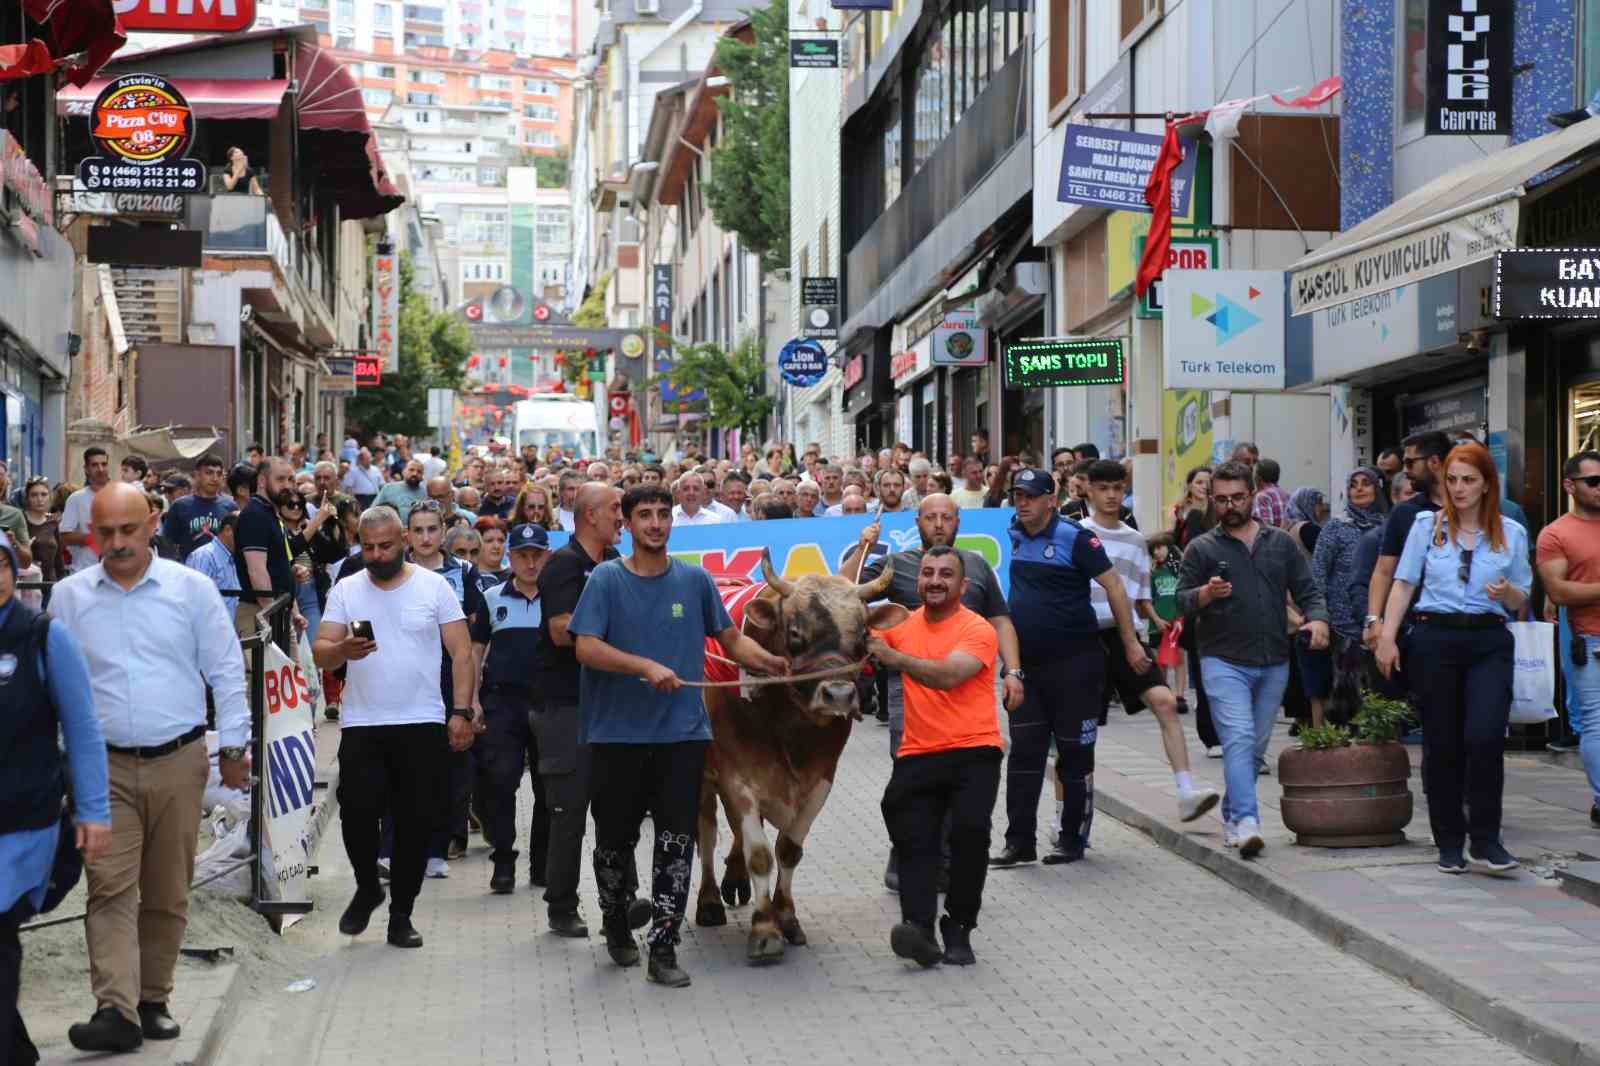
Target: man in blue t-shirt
(640,628)
(1053,560)
(194,519)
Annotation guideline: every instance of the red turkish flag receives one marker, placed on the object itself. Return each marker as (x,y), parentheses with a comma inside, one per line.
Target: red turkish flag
(25,60)
(1320,93)
(1158,194)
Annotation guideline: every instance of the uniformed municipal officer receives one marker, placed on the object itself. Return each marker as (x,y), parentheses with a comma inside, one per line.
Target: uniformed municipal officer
(1053,559)
(509,694)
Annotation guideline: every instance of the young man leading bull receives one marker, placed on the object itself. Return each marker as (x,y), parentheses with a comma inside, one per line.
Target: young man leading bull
(948,765)
(645,618)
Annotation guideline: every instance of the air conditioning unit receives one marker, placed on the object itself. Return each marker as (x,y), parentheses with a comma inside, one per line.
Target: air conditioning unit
(647,7)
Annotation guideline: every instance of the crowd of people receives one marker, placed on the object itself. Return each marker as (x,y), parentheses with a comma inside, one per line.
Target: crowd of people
(461,649)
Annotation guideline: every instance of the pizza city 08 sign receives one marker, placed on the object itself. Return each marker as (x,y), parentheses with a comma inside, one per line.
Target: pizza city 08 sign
(143,125)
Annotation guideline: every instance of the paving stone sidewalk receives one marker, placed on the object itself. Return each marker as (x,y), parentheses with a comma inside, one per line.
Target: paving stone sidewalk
(1132,957)
(1515,953)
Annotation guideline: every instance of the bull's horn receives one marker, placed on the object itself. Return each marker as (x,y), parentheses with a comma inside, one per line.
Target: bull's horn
(878,585)
(770,576)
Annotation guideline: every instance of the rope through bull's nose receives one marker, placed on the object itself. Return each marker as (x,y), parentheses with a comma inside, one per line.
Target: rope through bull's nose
(848,669)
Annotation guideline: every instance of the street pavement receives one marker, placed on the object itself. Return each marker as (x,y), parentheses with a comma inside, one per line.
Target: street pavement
(1133,956)
(1515,953)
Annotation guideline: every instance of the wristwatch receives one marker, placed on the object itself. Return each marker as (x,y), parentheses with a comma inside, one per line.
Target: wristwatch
(461,712)
(1014,671)
(1371,620)
(232,754)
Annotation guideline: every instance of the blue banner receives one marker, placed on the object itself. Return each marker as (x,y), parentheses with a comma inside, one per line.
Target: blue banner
(818,545)
(1109,168)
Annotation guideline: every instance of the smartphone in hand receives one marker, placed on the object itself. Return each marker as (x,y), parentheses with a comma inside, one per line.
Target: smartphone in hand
(362,629)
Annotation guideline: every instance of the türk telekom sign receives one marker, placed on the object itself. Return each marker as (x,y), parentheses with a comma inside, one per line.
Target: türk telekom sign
(186,16)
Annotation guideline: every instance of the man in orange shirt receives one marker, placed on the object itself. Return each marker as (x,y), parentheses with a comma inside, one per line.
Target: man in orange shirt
(948,763)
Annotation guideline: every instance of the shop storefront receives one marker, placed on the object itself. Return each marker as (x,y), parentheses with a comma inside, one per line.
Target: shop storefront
(868,395)
(37,265)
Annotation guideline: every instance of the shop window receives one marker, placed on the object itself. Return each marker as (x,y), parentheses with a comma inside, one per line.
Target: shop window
(893,149)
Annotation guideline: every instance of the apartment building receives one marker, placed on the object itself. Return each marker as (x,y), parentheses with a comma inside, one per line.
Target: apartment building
(524,27)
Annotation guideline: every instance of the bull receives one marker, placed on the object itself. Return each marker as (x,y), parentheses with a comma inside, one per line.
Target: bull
(774,751)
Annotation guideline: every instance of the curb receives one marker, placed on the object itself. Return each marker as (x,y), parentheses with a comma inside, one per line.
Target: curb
(201,1038)
(200,1044)
(1508,1021)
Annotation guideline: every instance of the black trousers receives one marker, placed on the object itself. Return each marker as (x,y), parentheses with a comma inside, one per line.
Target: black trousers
(626,781)
(1203,726)
(505,752)
(1461,682)
(16,1049)
(563,766)
(925,790)
(401,769)
(1061,699)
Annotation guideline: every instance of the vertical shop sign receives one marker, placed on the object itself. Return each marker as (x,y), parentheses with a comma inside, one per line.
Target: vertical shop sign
(386,309)
(1469,67)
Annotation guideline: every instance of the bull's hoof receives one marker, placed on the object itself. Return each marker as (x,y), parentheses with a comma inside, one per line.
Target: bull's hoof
(792,932)
(710,914)
(735,890)
(766,947)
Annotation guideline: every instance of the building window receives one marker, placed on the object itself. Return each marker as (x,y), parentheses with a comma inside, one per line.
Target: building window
(383,17)
(1138,16)
(346,10)
(1066,55)
(345,42)
(428,77)
(1411,65)
(542,138)
(893,151)
(377,97)
(538,87)
(931,105)
(540,112)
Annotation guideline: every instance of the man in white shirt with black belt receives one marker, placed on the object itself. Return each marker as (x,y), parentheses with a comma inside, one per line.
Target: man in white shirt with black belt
(386,625)
(155,633)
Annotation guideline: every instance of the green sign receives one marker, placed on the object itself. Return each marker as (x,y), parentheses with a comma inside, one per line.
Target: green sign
(1060,361)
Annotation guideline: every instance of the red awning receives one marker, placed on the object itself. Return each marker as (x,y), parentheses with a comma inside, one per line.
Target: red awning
(333,117)
(329,99)
(210,98)
(88,30)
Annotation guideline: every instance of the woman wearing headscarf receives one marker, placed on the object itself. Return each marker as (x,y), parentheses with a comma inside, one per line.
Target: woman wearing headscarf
(1333,567)
(1304,516)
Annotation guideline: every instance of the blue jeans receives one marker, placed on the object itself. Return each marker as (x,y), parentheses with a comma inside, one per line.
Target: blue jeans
(1244,704)
(1583,707)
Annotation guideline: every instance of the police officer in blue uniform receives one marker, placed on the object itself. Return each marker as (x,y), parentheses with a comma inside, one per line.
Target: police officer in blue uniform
(509,693)
(1053,560)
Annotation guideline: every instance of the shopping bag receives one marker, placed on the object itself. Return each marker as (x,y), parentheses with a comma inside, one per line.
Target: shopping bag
(1533,675)
(1168,654)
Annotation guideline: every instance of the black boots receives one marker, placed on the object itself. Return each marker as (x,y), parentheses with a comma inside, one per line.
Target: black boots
(916,942)
(504,879)
(353,922)
(108,1030)
(957,942)
(664,968)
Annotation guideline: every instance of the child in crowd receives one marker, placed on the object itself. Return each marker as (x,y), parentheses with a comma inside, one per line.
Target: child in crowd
(1164,557)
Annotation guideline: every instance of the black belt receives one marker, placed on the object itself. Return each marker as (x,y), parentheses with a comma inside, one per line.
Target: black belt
(1461,621)
(157,750)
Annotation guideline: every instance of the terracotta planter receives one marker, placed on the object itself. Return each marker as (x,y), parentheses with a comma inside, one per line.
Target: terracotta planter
(1354,797)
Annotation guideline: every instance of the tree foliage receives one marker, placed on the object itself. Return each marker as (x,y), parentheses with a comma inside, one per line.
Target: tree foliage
(434,346)
(748,189)
(591,314)
(734,382)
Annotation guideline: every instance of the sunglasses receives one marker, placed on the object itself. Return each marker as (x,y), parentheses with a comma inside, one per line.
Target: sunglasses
(1464,572)
(1591,480)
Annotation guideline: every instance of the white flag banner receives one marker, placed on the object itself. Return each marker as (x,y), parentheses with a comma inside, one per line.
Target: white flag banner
(288,780)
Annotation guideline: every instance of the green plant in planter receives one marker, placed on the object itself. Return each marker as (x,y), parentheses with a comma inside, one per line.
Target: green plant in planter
(1323,737)
(1380,719)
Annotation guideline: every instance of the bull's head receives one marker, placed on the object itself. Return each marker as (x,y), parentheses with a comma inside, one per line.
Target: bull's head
(821,621)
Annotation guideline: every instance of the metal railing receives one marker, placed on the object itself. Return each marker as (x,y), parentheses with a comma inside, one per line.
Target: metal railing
(277,631)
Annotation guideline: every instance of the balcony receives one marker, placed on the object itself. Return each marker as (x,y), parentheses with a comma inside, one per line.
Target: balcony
(231,223)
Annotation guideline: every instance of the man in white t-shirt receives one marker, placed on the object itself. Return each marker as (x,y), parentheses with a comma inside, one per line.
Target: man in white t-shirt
(396,729)
(1130,557)
(75,512)
(691,509)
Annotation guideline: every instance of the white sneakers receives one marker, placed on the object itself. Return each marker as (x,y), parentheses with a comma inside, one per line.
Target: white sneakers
(438,868)
(1214,751)
(1193,804)
(1245,834)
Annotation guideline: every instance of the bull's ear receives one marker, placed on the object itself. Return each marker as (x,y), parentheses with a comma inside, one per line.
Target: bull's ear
(761,615)
(883,616)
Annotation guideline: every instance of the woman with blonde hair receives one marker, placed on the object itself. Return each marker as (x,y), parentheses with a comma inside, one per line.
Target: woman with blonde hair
(1467,567)
(533,506)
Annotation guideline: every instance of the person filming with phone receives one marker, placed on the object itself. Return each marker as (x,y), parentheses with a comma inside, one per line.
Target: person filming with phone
(1235,584)
(385,624)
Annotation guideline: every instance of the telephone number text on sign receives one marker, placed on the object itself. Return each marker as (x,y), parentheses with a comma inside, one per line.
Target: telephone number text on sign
(100,174)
